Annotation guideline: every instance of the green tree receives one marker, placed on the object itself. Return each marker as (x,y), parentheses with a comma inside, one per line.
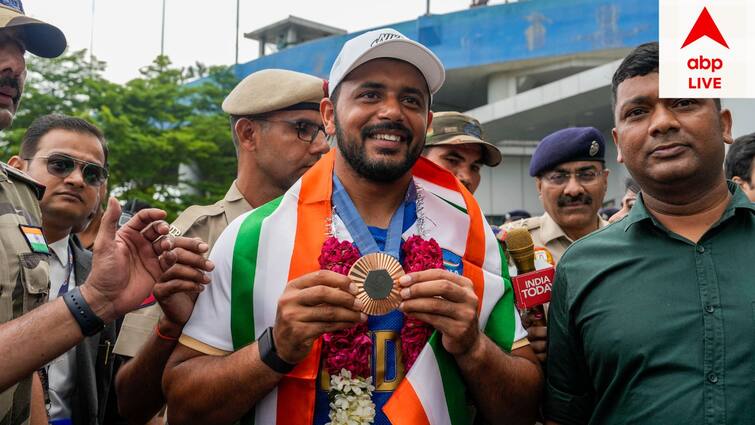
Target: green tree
(166,117)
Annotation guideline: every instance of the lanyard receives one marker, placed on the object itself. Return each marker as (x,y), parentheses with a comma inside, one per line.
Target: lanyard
(69,270)
(358,229)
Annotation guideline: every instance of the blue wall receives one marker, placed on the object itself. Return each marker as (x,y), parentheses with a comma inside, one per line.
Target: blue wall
(496,34)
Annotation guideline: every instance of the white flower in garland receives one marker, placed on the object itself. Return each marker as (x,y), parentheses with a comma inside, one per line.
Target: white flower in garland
(351,400)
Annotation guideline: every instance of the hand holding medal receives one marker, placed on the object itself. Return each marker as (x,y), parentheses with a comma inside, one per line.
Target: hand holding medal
(376,276)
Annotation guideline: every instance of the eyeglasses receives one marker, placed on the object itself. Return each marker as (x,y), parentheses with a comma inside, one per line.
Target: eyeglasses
(560,178)
(306,131)
(62,166)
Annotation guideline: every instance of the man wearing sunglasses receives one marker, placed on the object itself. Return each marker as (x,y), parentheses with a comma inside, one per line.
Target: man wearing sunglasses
(571,178)
(129,261)
(68,156)
(278,135)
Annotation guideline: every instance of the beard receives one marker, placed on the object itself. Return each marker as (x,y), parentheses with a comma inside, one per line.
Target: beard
(377,170)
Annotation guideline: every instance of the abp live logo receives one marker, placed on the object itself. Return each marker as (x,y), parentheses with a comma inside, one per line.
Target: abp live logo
(705,26)
(704,48)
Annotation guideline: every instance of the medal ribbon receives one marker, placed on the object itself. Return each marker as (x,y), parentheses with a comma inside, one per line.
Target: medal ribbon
(358,229)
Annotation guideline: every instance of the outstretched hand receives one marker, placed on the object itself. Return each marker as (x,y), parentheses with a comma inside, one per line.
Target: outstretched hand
(126,262)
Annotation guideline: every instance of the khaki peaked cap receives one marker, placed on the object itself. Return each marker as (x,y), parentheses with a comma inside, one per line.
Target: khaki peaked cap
(272,90)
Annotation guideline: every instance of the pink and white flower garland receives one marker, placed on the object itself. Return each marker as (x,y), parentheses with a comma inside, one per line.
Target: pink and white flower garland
(347,352)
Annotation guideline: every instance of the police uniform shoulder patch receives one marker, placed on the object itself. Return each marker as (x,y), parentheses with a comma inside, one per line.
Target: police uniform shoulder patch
(18,175)
(193,214)
(531,223)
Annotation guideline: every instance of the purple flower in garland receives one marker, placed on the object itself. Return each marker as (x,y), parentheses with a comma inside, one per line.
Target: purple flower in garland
(338,256)
(351,348)
(419,255)
(348,349)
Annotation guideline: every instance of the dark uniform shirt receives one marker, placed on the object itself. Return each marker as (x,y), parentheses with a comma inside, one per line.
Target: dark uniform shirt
(647,327)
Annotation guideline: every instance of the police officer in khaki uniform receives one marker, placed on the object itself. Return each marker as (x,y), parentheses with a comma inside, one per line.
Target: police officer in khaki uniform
(30,339)
(278,134)
(571,178)
(24,272)
(455,142)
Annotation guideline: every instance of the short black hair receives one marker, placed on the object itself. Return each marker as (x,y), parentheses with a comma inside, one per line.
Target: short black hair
(641,61)
(47,123)
(739,158)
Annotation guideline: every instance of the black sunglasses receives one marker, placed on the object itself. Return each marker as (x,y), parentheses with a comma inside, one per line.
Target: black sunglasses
(62,166)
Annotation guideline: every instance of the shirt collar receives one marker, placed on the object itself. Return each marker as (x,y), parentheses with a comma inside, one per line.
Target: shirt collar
(60,250)
(550,230)
(738,201)
(233,194)
(235,203)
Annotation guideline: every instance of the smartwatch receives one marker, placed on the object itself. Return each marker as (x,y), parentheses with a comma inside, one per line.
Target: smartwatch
(269,356)
(89,323)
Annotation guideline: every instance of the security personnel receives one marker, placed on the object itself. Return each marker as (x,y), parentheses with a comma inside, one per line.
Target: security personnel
(571,178)
(29,339)
(278,134)
(455,142)
(25,276)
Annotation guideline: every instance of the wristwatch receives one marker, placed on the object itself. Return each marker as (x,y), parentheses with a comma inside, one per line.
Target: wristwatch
(269,356)
(88,321)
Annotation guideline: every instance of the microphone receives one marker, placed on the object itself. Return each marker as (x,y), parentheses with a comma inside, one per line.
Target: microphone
(532,288)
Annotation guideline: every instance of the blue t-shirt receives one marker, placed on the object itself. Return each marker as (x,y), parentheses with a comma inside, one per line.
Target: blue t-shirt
(385,362)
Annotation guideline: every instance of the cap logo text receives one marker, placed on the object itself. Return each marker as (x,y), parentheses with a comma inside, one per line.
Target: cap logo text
(382,38)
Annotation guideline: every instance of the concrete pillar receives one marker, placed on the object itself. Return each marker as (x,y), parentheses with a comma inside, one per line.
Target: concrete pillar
(501,86)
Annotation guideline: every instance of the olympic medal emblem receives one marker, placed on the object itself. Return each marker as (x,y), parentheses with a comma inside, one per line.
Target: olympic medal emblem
(376,276)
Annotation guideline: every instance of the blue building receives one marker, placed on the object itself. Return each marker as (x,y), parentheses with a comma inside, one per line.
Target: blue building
(524,69)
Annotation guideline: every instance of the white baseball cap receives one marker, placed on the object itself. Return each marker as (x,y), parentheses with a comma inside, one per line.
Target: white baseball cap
(386,43)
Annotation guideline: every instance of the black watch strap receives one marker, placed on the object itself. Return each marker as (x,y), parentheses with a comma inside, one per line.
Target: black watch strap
(269,356)
(89,323)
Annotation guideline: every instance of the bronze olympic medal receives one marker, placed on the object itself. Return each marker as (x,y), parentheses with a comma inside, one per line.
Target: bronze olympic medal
(376,276)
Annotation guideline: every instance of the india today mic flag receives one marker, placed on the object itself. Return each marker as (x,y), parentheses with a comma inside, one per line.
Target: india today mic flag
(707,48)
(533,288)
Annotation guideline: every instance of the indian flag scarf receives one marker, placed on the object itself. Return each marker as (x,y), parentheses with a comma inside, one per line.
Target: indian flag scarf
(281,241)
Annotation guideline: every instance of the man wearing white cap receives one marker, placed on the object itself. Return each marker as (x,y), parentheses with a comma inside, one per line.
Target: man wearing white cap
(278,135)
(423,329)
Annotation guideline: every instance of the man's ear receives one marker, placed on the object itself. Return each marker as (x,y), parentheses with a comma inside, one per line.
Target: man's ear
(738,180)
(725,116)
(615,134)
(245,134)
(328,114)
(538,186)
(16,162)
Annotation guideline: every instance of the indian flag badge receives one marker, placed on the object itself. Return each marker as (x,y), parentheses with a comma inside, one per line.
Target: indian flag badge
(35,238)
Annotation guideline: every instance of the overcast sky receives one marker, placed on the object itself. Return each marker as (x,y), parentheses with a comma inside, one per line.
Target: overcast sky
(127,33)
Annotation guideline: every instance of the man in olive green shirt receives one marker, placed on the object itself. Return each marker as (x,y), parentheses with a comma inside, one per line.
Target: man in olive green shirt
(652,318)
